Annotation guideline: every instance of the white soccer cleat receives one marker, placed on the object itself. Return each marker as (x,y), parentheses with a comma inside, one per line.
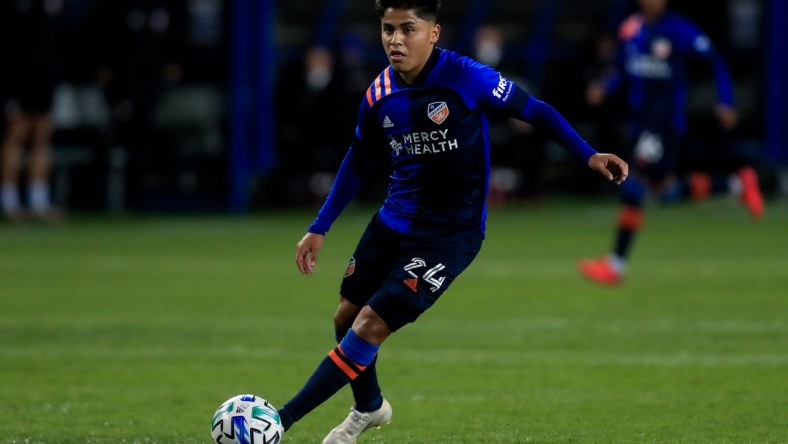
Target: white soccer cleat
(357,422)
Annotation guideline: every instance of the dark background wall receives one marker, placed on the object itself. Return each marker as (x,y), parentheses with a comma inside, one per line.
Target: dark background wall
(206,104)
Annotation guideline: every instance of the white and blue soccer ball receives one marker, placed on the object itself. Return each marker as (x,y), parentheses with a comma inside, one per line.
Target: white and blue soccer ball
(246,419)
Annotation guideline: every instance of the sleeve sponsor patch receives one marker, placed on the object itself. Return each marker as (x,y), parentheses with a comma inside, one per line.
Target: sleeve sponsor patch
(503,91)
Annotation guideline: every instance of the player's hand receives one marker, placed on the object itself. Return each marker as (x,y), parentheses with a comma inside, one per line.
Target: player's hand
(610,166)
(306,252)
(727,115)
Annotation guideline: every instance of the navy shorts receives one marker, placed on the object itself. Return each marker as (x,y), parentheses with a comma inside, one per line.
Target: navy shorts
(400,276)
(655,154)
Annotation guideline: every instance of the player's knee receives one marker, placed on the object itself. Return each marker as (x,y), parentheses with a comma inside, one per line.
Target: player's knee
(341,324)
(633,192)
(358,350)
(13,141)
(371,327)
(344,316)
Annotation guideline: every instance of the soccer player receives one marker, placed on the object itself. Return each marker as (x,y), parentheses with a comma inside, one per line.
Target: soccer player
(425,114)
(32,36)
(656,45)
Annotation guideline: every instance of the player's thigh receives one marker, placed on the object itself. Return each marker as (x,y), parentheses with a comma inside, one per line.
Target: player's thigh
(422,273)
(17,129)
(41,132)
(371,262)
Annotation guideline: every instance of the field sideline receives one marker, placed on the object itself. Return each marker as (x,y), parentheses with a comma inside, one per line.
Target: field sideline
(134,330)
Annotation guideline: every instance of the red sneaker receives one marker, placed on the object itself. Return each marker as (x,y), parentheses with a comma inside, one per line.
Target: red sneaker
(599,271)
(751,193)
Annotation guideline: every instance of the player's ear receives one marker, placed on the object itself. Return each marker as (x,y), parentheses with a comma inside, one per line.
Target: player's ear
(435,33)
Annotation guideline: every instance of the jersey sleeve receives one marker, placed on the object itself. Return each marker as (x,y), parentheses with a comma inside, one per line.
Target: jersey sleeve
(700,44)
(547,119)
(485,88)
(489,90)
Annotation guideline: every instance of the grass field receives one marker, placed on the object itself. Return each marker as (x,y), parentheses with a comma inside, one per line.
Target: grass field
(134,330)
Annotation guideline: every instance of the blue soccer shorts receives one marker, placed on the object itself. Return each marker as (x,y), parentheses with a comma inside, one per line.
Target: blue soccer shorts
(656,155)
(400,276)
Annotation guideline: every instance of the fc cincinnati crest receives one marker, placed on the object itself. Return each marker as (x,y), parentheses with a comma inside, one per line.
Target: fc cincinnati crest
(438,112)
(661,48)
(351,267)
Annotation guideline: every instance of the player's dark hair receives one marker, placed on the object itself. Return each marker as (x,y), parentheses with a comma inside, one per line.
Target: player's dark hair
(424,9)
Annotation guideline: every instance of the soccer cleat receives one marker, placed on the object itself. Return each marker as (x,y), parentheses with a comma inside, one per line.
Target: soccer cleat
(357,422)
(751,192)
(599,271)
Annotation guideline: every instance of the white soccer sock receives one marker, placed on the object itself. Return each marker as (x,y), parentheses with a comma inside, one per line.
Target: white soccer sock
(38,196)
(10,198)
(734,185)
(617,262)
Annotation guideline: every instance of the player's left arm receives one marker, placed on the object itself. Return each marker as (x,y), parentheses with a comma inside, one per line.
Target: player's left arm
(495,92)
(358,162)
(702,46)
(543,116)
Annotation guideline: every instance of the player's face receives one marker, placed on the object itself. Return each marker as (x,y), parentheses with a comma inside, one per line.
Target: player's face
(408,41)
(653,8)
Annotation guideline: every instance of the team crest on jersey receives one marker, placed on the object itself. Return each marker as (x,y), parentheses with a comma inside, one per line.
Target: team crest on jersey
(351,267)
(438,112)
(661,48)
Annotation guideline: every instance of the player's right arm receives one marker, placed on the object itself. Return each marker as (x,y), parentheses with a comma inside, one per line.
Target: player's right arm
(613,79)
(307,251)
(357,162)
(346,184)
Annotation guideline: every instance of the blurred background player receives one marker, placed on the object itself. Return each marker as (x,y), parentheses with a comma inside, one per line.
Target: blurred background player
(33,36)
(656,45)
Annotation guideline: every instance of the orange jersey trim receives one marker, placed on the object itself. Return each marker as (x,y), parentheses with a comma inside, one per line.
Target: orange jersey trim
(630,27)
(387,78)
(378,90)
(369,96)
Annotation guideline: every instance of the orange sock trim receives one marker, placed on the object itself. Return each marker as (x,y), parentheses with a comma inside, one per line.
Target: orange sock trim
(348,367)
(630,218)
(360,368)
(341,364)
(700,185)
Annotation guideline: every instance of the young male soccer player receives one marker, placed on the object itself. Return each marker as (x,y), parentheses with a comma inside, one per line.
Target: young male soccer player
(655,48)
(426,113)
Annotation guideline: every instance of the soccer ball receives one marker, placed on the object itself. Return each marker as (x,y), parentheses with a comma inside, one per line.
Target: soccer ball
(246,419)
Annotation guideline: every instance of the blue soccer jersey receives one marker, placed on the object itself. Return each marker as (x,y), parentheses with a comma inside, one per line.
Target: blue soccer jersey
(434,133)
(653,60)
(437,133)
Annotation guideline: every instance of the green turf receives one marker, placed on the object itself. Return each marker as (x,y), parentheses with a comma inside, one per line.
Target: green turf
(134,330)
